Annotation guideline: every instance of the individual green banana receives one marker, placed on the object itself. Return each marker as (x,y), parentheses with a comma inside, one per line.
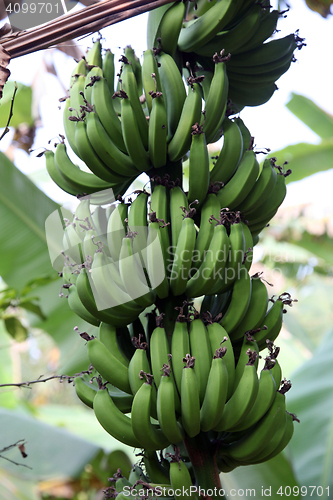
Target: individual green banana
(157,473)
(113,420)
(248,246)
(279,441)
(216,101)
(180,479)
(69,126)
(149,68)
(248,348)
(230,154)
(159,352)
(81,182)
(266,28)
(182,257)
(108,335)
(94,54)
(235,38)
(108,152)
(239,405)
(133,275)
(204,28)
(262,189)
(180,346)
(216,392)
(130,87)
(214,261)
(84,391)
(239,303)
(139,362)
(273,321)
(116,229)
(166,410)
(170,26)
(181,141)
(265,397)
(256,310)
(266,53)
(76,91)
(256,96)
(210,208)
(111,369)
(102,101)
(198,170)
(55,175)
(246,134)
(76,306)
(173,90)
(132,137)
(134,61)
(177,201)
(158,131)
(258,436)
(190,398)
(201,351)
(218,338)
(150,437)
(108,70)
(156,257)
(242,182)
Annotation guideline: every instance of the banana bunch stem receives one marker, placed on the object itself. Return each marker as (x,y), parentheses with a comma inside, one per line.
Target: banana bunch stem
(202,453)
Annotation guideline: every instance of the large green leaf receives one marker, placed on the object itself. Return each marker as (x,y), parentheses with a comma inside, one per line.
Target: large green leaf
(21,108)
(306,159)
(23,211)
(262,480)
(52,452)
(312,115)
(311,398)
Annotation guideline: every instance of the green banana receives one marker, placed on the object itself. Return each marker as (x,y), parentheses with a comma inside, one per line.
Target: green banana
(235,38)
(158,131)
(116,229)
(218,338)
(230,154)
(76,306)
(170,26)
(180,479)
(216,101)
(210,208)
(256,310)
(81,182)
(157,473)
(204,28)
(214,261)
(241,183)
(239,405)
(69,126)
(55,175)
(150,437)
(130,87)
(94,54)
(262,189)
(180,346)
(248,348)
(108,70)
(239,303)
(251,96)
(265,397)
(258,436)
(266,28)
(139,362)
(84,391)
(182,257)
(113,420)
(108,335)
(149,68)
(166,410)
(117,161)
(173,90)
(156,258)
(198,170)
(190,399)
(177,201)
(216,392)
(201,351)
(132,137)
(111,369)
(181,141)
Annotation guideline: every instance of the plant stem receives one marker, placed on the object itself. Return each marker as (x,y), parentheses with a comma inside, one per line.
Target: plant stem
(202,454)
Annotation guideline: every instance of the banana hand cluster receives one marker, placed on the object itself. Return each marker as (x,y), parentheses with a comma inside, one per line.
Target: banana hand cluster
(239,28)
